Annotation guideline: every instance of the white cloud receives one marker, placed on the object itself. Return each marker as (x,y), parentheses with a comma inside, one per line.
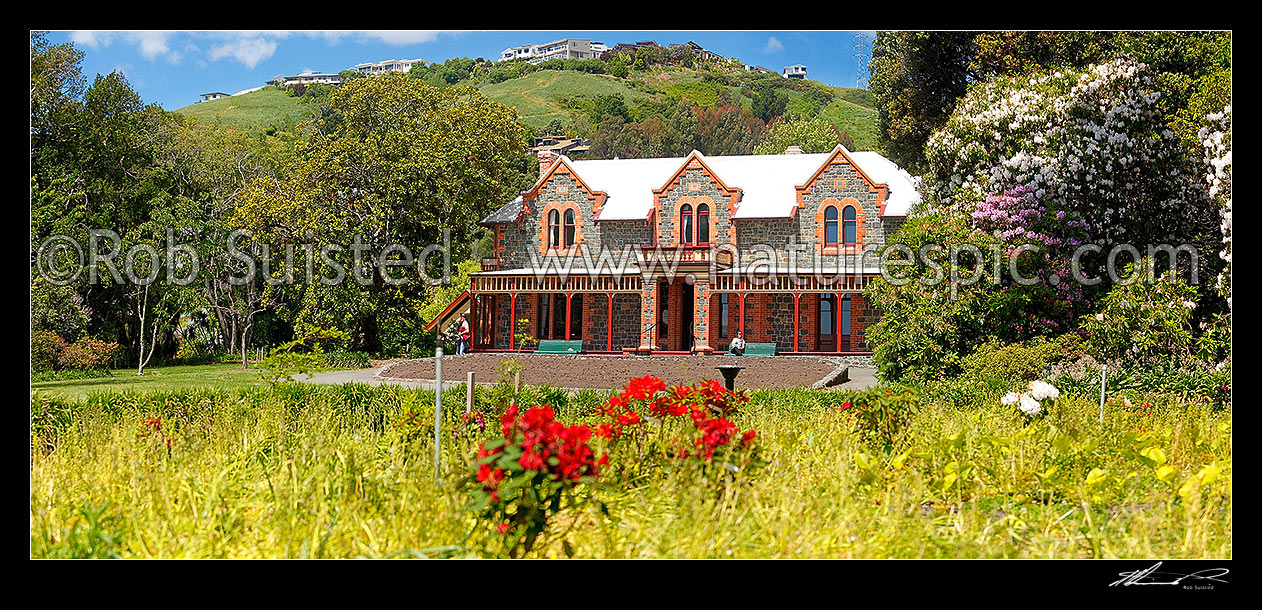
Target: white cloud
(248,47)
(773,45)
(248,51)
(152,44)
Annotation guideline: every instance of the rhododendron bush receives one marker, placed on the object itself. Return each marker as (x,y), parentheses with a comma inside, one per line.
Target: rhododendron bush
(1091,142)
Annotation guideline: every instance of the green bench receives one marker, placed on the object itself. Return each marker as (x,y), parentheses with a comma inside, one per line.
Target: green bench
(757,349)
(558,346)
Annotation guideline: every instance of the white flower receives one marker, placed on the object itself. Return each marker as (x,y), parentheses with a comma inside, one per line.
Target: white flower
(1010,398)
(1099,317)
(1189,304)
(1029,406)
(1041,390)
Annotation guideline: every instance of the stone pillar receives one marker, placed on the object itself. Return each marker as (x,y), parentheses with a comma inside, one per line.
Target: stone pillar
(648,297)
(701,317)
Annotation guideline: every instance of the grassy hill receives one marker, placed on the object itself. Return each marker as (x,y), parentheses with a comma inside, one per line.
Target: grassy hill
(268,107)
(544,95)
(541,96)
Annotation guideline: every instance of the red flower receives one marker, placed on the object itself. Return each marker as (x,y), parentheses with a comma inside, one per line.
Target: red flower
(503,527)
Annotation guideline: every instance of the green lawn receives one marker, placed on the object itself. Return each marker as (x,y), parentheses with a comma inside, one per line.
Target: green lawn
(163,379)
(267,107)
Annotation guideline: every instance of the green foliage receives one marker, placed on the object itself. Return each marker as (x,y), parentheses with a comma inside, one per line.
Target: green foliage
(882,414)
(313,466)
(1026,361)
(813,135)
(46,349)
(344,360)
(1144,319)
(87,353)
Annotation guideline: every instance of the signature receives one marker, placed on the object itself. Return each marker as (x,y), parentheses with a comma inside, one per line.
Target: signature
(1151,576)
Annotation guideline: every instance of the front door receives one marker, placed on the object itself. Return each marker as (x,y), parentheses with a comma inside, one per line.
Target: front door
(827,322)
(484,321)
(686,329)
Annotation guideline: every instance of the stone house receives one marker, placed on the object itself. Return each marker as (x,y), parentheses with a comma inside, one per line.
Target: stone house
(678,255)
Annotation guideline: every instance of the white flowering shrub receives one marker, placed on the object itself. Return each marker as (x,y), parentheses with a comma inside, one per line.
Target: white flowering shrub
(1092,142)
(1216,138)
(1030,402)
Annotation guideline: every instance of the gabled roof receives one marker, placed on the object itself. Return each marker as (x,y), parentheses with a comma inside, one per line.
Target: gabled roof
(768,183)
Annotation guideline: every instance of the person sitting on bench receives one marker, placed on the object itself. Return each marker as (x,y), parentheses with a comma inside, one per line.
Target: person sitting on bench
(738,345)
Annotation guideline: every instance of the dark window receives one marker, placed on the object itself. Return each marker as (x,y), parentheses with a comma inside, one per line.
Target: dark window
(845,315)
(569,228)
(723,315)
(830,226)
(545,306)
(848,220)
(554,229)
(703,224)
(826,315)
(576,317)
(685,224)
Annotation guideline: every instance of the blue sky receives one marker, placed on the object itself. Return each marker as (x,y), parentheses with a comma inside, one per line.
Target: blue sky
(172,68)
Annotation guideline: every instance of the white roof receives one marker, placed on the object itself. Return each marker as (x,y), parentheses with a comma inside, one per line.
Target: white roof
(768,182)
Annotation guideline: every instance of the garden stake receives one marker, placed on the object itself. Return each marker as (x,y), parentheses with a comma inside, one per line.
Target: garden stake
(468,394)
(438,408)
(1102,367)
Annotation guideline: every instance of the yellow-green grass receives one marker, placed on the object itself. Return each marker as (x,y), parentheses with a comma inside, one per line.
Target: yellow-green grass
(305,471)
(858,120)
(262,109)
(539,96)
(156,379)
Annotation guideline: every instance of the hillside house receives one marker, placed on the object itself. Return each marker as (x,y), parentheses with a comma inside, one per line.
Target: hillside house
(307,78)
(206,97)
(389,65)
(566,48)
(795,71)
(677,255)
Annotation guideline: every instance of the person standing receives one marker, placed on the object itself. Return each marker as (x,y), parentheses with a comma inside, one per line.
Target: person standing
(462,347)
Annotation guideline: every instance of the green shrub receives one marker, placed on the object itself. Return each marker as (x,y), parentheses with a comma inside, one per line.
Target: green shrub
(345,360)
(1019,361)
(1143,319)
(882,413)
(87,353)
(46,349)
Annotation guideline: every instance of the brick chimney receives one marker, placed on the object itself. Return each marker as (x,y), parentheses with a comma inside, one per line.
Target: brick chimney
(793,150)
(546,159)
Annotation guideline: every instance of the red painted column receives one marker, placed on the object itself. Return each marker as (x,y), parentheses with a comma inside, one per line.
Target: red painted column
(796,319)
(568,296)
(475,308)
(743,317)
(512,321)
(609,323)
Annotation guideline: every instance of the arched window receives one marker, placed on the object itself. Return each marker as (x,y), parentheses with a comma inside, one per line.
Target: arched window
(685,224)
(554,229)
(703,223)
(849,226)
(569,228)
(830,226)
